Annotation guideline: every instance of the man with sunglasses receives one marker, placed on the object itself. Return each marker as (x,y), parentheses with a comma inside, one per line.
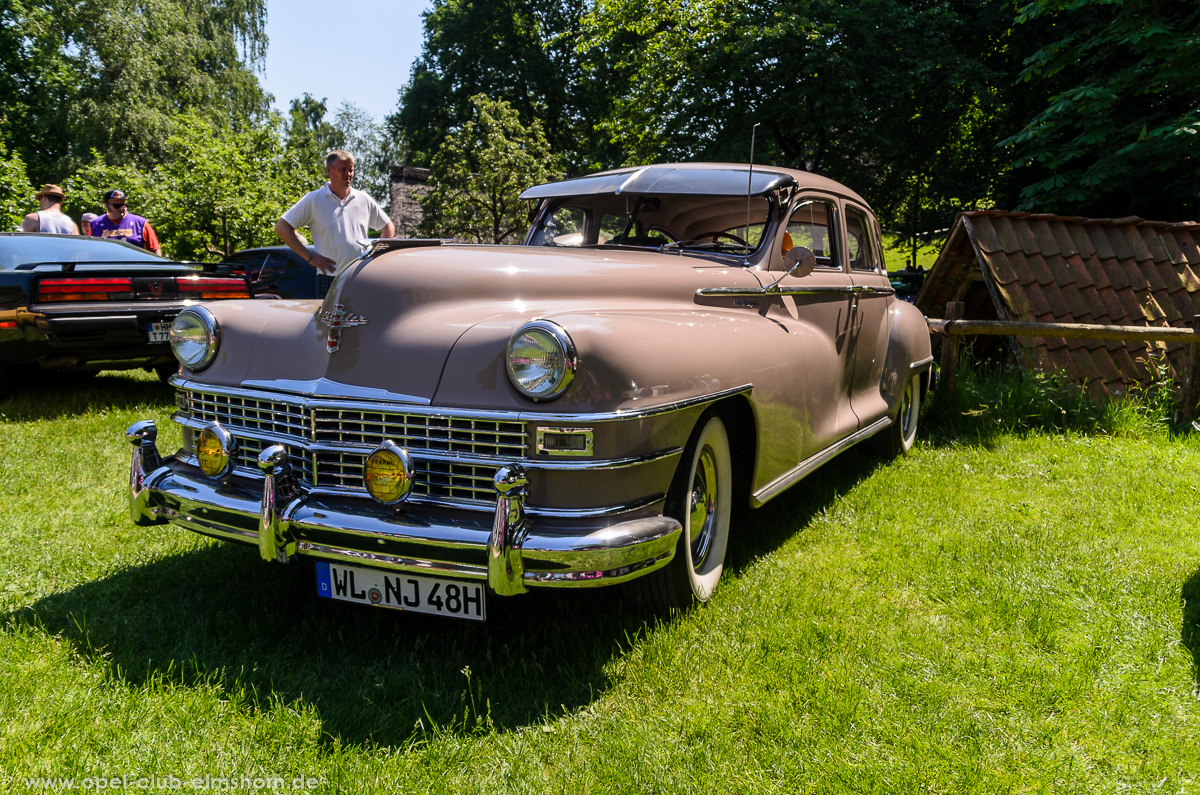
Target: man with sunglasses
(120,224)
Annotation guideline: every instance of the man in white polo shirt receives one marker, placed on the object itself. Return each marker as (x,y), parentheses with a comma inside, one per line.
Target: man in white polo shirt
(337,214)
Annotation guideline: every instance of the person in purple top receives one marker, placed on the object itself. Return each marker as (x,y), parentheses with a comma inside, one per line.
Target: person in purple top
(120,224)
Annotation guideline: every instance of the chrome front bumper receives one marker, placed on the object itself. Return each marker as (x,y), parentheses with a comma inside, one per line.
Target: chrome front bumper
(510,553)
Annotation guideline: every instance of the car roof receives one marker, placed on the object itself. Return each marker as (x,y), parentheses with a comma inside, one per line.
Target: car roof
(24,248)
(711,179)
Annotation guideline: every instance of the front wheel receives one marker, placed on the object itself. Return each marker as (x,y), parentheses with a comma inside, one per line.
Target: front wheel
(700,499)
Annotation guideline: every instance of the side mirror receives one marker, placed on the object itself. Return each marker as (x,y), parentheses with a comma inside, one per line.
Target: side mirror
(800,261)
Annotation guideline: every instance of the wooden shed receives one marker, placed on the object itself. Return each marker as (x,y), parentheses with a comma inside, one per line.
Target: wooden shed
(1058,269)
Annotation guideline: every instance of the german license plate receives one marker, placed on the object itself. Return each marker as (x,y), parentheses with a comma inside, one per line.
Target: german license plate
(416,594)
(160,332)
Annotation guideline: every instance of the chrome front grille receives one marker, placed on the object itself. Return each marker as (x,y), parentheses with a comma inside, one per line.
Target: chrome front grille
(309,433)
(435,433)
(252,414)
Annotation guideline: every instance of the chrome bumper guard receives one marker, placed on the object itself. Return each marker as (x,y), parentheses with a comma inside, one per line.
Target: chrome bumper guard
(511,555)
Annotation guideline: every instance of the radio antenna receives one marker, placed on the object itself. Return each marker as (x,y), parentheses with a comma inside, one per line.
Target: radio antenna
(750,179)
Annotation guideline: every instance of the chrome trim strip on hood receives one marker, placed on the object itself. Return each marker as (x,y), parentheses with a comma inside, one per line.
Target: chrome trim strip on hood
(400,402)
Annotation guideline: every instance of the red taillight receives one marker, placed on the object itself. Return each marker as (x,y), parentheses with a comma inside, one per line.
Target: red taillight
(95,289)
(210,288)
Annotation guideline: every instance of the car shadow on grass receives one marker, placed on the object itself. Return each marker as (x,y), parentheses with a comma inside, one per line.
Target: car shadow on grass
(217,616)
(1189,630)
(48,397)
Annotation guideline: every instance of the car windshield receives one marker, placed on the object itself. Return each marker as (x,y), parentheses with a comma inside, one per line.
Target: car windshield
(19,249)
(710,224)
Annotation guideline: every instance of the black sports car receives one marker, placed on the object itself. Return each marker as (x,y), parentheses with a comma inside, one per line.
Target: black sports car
(84,304)
(275,272)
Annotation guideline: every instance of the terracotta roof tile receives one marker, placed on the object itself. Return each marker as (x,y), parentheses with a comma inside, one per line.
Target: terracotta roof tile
(1002,270)
(1098,236)
(1060,270)
(1118,274)
(1065,242)
(983,230)
(1083,241)
(1074,304)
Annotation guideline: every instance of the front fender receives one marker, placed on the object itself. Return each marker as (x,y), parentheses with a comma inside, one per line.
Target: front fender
(627,361)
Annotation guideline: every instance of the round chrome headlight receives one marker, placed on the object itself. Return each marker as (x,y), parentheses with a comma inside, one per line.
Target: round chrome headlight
(195,337)
(388,473)
(541,360)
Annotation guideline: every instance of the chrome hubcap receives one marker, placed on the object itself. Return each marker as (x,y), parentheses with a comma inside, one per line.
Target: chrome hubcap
(703,508)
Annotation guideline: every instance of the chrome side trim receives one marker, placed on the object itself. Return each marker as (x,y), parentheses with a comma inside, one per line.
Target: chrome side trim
(920,365)
(816,289)
(806,466)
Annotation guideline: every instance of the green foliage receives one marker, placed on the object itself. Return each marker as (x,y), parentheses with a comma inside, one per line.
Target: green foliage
(222,189)
(374,153)
(479,172)
(519,51)
(901,100)
(113,77)
(990,400)
(219,190)
(1121,130)
(16,197)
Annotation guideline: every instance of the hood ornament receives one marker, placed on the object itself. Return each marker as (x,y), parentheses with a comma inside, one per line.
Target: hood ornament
(336,319)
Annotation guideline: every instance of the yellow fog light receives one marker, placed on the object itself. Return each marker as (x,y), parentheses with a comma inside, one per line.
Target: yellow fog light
(214,450)
(388,473)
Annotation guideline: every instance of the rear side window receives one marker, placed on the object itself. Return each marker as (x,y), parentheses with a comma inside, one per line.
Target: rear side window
(860,241)
(814,225)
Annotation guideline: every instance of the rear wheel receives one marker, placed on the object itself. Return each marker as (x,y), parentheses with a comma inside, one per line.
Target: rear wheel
(900,437)
(700,499)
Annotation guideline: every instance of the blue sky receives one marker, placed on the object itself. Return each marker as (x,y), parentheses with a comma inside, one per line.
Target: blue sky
(364,59)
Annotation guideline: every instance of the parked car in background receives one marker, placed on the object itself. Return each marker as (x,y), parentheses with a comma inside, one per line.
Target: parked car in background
(276,272)
(454,424)
(84,304)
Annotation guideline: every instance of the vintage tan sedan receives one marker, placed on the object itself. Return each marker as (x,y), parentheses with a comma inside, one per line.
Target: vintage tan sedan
(455,423)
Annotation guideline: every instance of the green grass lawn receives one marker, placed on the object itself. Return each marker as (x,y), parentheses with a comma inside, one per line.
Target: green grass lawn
(1015,614)
(896,258)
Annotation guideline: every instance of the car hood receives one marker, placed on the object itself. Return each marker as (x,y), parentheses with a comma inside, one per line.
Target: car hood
(399,317)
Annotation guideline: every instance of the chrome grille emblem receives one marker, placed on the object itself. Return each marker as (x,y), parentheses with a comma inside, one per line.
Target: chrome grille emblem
(336,319)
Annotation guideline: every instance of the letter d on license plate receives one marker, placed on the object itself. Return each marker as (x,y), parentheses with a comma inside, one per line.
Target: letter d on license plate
(416,594)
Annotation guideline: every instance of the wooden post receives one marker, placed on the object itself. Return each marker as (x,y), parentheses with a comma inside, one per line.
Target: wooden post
(954,311)
(1190,392)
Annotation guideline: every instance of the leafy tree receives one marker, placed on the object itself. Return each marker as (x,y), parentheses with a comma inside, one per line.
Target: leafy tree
(219,190)
(374,153)
(901,99)
(1120,132)
(309,136)
(113,77)
(222,189)
(520,51)
(16,197)
(479,172)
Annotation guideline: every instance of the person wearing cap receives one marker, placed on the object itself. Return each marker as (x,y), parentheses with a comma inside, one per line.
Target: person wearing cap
(338,216)
(50,218)
(85,223)
(120,224)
